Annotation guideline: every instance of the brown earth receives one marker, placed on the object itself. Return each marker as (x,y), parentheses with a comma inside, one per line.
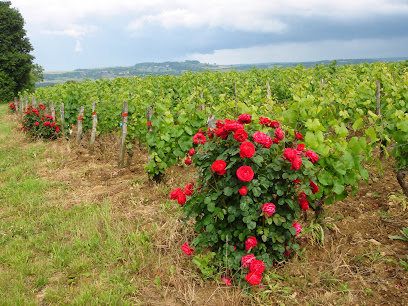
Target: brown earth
(357,265)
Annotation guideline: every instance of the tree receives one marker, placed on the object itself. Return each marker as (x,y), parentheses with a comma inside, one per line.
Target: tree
(16,62)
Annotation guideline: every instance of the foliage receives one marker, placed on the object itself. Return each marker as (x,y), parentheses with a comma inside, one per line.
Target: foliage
(16,62)
(249,192)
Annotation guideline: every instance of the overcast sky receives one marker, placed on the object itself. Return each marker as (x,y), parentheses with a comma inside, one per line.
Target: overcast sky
(71,34)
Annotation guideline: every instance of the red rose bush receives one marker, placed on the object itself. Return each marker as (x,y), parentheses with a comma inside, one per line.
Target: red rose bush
(253,181)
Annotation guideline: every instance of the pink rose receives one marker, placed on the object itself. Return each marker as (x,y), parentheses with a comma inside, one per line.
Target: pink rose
(227,281)
(247,259)
(279,133)
(250,243)
(262,139)
(297,227)
(269,208)
(312,156)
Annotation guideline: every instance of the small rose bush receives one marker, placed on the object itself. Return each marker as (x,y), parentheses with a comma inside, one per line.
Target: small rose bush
(253,181)
(39,124)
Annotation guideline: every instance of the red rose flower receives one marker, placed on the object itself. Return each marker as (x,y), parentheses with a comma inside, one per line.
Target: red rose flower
(299,136)
(275,140)
(232,125)
(253,278)
(243,190)
(289,154)
(245,173)
(287,252)
(188,189)
(297,227)
(262,139)
(219,167)
(312,156)
(304,204)
(296,163)
(246,260)
(37,123)
(250,243)
(300,147)
(297,181)
(279,133)
(191,152)
(187,161)
(264,121)
(219,124)
(240,135)
(186,249)
(274,124)
(222,133)
(244,119)
(178,194)
(227,281)
(199,138)
(315,188)
(269,208)
(246,149)
(257,266)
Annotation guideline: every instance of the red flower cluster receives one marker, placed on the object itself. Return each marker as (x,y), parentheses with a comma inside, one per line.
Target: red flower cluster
(178,194)
(199,138)
(267,122)
(256,268)
(292,155)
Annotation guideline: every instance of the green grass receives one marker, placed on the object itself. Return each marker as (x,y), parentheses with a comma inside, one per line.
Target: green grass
(56,254)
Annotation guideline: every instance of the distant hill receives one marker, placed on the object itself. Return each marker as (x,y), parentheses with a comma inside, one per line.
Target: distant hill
(177,68)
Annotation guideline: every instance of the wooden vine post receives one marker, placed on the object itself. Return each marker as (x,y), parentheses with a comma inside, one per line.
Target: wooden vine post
(52,109)
(21,109)
(62,118)
(94,124)
(122,149)
(236,99)
(377,96)
(149,115)
(26,103)
(34,102)
(79,125)
(16,104)
(268,90)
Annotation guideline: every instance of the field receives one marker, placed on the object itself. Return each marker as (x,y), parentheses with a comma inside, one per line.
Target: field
(75,229)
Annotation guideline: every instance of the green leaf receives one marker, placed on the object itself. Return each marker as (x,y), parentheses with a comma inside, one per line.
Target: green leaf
(211,207)
(258,160)
(228,191)
(337,187)
(358,124)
